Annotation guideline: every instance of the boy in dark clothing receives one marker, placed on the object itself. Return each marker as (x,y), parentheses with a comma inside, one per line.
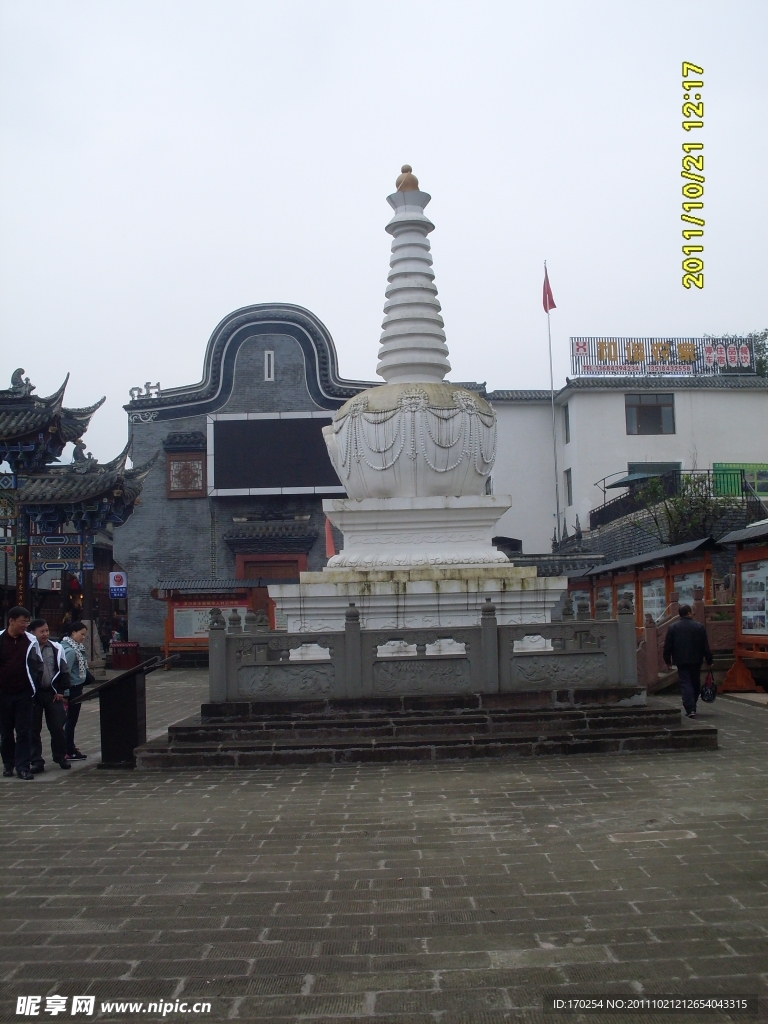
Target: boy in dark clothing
(49,700)
(687,645)
(20,671)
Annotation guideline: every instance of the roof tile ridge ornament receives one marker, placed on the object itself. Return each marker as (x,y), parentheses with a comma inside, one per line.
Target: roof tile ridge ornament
(86,410)
(413,346)
(21,386)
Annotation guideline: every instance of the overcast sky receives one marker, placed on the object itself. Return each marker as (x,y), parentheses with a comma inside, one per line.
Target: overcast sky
(166,162)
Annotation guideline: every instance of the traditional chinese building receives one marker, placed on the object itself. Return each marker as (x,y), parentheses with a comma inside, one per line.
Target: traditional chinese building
(55,513)
(237,496)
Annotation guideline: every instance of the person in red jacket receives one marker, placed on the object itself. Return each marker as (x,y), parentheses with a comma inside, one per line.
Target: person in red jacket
(21,668)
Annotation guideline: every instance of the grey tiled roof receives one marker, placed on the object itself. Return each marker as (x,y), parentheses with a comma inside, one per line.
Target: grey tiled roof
(202,586)
(503,395)
(653,556)
(69,484)
(725,382)
(20,415)
(185,441)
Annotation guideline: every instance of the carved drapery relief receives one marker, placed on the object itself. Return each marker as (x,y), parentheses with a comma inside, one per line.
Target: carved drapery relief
(443,438)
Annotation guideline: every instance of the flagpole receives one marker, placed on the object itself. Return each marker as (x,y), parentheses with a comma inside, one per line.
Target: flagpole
(554,430)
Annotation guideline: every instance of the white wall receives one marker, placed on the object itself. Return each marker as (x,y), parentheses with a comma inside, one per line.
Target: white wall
(711,425)
(524,469)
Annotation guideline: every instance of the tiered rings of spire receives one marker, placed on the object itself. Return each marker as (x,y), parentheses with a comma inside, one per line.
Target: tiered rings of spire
(417,435)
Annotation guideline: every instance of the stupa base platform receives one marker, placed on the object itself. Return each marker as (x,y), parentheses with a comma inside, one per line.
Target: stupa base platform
(248,735)
(417,598)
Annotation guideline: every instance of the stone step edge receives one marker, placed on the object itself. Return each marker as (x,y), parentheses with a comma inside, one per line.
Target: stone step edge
(195,733)
(680,740)
(394,741)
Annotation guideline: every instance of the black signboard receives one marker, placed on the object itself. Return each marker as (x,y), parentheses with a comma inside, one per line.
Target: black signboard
(271,454)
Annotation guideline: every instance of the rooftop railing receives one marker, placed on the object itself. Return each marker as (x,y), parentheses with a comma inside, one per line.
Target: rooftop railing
(730,483)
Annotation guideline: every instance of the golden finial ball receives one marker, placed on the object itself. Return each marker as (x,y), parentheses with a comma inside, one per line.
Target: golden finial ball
(407,181)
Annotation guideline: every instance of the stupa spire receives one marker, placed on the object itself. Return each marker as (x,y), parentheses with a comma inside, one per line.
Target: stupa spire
(413,347)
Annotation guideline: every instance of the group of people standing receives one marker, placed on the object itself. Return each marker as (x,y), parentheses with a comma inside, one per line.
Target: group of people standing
(39,679)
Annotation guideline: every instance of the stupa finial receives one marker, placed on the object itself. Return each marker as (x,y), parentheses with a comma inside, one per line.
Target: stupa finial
(407,181)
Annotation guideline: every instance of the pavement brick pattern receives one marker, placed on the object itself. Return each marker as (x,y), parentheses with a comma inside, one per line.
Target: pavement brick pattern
(456,893)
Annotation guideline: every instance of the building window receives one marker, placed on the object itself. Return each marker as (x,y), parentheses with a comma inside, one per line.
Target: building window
(568,487)
(567,423)
(185,475)
(269,366)
(650,414)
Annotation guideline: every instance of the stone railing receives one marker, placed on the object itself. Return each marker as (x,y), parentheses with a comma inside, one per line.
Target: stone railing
(250,663)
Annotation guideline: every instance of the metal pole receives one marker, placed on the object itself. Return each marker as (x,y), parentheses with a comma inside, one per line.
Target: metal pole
(554,431)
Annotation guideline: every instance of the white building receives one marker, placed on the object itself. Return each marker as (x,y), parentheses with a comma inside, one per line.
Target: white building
(609,427)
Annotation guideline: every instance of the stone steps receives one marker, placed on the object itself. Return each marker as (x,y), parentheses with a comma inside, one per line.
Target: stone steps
(435,732)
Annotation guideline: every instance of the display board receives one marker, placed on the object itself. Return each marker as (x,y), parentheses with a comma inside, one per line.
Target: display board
(654,598)
(754,587)
(272,456)
(193,622)
(685,583)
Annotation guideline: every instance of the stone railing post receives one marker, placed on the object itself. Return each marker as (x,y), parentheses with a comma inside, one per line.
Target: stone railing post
(627,642)
(582,610)
(353,675)
(651,650)
(601,609)
(699,608)
(489,647)
(217,658)
(234,622)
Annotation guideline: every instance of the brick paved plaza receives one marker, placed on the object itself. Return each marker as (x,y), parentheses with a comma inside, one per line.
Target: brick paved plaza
(403,893)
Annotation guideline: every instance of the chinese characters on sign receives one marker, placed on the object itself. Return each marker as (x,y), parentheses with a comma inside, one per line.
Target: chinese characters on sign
(118,585)
(660,356)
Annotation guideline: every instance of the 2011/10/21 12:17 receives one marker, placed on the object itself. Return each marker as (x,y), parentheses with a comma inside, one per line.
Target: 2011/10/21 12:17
(693,172)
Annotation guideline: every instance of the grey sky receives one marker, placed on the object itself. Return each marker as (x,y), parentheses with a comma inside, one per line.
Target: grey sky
(165,162)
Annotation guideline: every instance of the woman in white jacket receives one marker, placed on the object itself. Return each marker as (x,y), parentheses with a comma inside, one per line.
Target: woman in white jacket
(74,652)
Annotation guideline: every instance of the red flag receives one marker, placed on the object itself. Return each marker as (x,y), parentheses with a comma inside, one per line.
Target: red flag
(549,302)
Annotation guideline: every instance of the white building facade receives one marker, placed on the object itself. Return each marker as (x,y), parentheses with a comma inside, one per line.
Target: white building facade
(609,427)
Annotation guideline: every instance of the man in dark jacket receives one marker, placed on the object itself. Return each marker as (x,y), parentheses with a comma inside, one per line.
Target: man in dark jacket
(49,700)
(20,670)
(687,645)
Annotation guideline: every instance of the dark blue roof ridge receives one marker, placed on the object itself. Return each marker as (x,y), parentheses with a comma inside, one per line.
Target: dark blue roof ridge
(326,387)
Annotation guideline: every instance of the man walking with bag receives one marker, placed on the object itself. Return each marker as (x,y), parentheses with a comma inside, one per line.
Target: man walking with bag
(686,645)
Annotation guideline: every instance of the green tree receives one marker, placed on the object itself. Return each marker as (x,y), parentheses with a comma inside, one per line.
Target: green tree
(680,509)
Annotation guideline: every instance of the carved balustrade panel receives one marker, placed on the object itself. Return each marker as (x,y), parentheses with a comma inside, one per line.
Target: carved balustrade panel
(430,674)
(288,681)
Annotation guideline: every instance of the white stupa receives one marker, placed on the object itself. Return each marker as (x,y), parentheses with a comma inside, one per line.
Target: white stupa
(416,436)
(415,457)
